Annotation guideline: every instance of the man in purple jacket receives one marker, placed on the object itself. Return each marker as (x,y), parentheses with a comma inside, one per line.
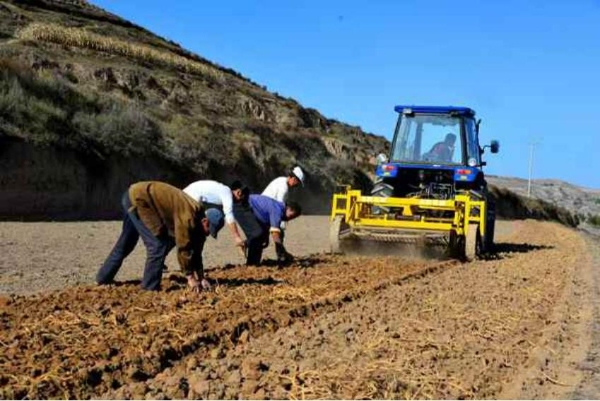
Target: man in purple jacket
(260,217)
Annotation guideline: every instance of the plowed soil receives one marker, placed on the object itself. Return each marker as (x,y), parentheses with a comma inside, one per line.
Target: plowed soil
(517,325)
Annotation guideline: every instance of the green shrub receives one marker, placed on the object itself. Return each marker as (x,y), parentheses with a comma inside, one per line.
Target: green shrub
(122,128)
(594,220)
(48,111)
(26,115)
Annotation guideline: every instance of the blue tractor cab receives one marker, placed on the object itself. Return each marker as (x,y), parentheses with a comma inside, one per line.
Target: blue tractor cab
(435,153)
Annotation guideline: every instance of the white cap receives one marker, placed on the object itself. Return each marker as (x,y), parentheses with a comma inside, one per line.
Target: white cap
(297,171)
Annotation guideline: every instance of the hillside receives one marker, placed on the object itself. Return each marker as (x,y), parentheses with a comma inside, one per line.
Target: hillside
(583,203)
(90,102)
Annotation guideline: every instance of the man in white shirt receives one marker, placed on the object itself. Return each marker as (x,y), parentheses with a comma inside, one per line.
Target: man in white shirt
(214,194)
(278,188)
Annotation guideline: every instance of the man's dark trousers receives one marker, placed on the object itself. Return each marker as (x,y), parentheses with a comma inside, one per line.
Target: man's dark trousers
(157,250)
(257,234)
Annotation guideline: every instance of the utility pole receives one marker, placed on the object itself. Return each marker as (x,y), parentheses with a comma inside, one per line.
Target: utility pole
(531,150)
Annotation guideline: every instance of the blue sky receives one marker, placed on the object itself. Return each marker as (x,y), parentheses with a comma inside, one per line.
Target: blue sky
(530,69)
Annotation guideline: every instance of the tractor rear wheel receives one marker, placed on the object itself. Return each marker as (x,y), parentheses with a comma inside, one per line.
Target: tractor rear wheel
(383,190)
(488,240)
(456,246)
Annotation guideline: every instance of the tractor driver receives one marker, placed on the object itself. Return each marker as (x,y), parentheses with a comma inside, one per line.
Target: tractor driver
(442,151)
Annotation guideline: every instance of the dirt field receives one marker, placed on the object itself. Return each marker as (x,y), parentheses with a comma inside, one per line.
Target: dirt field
(523,324)
(50,256)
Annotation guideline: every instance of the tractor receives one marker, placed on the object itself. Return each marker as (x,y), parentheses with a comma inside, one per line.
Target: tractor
(429,191)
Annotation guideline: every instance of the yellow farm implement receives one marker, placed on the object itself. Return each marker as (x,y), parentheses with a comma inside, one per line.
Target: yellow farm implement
(457,224)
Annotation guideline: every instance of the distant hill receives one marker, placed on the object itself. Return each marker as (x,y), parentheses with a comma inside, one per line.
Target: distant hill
(90,102)
(582,203)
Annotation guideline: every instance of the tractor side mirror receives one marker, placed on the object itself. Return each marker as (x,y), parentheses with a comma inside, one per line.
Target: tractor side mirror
(382,158)
(494,146)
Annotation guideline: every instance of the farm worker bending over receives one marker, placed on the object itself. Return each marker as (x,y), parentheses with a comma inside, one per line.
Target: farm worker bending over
(164,216)
(214,194)
(261,216)
(278,188)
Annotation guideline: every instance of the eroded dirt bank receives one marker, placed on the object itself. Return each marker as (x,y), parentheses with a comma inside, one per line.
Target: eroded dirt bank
(327,327)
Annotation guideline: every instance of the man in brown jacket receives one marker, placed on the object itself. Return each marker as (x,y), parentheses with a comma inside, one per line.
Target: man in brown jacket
(164,216)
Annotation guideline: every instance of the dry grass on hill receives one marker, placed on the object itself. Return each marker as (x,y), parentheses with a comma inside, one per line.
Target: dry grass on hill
(81,38)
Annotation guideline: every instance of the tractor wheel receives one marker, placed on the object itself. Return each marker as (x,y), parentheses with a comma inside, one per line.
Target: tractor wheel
(473,243)
(382,190)
(336,228)
(488,240)
(456,246)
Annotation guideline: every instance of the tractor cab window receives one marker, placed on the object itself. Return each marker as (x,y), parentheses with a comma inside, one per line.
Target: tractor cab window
(432,139)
